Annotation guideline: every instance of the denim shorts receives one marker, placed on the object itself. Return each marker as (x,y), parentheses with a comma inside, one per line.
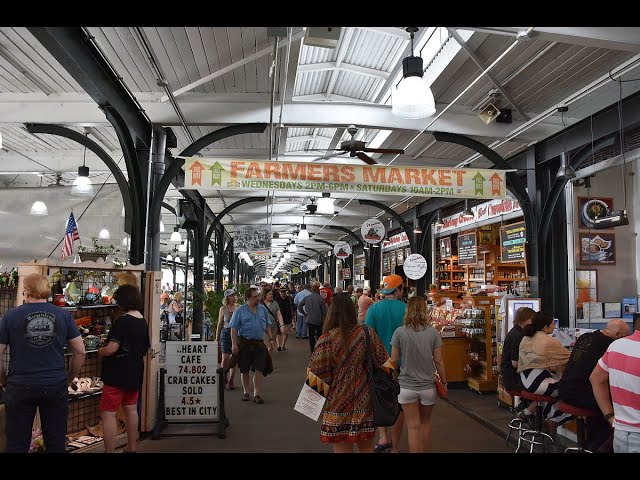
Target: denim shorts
(225,340)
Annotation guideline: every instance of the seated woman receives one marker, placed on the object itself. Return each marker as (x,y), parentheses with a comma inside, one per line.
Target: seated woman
(541,360)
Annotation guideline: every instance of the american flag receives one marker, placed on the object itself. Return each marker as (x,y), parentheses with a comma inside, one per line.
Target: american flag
(70,236)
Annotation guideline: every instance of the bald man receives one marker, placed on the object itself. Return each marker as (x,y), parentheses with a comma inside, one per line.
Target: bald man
(574,386)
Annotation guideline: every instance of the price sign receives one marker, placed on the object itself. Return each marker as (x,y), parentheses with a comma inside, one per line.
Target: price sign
(467,249)
(512,240)
(191,382)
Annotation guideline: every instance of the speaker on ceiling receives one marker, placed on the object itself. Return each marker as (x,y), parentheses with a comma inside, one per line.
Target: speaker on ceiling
(326,37)
(489,113)
(187,214)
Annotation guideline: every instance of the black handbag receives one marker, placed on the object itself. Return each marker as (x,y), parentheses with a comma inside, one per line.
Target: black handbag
(384,389)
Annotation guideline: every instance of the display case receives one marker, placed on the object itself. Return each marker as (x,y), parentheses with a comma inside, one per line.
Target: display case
(478,319)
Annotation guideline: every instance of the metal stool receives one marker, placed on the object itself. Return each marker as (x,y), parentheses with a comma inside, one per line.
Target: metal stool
(515,423)
(580,414)
(537,436)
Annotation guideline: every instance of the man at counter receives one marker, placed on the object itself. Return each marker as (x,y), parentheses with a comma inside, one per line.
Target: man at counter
(574,386)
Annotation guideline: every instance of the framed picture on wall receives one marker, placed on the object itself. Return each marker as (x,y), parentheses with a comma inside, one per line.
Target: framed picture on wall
(597,248)
(590,208)
(400,257)
(513,304)
(445,247)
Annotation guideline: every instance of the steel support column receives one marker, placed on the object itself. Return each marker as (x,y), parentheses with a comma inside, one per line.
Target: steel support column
(159,148)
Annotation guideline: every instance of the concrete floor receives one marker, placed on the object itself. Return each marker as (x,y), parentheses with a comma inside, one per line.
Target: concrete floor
(275,427)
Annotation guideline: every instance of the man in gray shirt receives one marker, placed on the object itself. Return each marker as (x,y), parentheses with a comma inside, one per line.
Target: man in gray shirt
(314,310)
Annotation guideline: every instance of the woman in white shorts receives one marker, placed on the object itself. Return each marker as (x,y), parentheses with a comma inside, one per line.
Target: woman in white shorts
(420,346)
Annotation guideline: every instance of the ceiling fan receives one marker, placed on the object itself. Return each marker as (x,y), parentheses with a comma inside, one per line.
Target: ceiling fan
(58,181)
(358,148)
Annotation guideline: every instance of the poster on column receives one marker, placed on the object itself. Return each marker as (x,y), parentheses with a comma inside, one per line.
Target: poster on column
(372,231)
(244,174)
(415,266)
(191,382)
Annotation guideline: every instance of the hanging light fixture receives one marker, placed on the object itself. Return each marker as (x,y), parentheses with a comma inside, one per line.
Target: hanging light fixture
(39,208)
(125,241)
(303,234)
(104,234)
(417,229)
(176,258)
(292,247)
(325,204)
(439,222)
(566,171)
(412,97)
(467,213)
(82,186)
(286,255)
(169,258)
(175,236)
(183,247)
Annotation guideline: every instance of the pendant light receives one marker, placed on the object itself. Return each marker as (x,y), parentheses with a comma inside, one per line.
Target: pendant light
(467,213)
(303,234)
(82,186)
(566,171)
(169,258)
(39,208)
(104,234)
(292,247)
(439,222)
(175,236)
(286,255)
(325,204)
(412,97)
(176,258)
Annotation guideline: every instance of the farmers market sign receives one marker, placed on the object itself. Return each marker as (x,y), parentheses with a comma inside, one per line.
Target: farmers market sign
(232,174)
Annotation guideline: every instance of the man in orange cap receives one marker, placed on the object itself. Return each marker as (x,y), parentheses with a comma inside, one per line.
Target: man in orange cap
(384,317)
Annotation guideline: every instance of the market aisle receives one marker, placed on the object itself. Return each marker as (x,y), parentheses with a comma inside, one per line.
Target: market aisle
(276,427)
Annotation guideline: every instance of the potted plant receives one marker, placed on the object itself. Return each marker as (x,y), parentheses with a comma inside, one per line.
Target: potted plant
(96,251)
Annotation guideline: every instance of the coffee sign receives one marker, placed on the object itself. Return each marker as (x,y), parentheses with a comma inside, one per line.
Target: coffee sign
(467,249)
(512,240)
(415,266)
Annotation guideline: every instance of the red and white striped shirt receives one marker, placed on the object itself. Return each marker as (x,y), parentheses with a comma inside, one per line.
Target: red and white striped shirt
(622,362)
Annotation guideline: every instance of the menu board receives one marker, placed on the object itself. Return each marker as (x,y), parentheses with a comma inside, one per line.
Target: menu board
(467,249)
(512,240)
(445,247)
(191,391)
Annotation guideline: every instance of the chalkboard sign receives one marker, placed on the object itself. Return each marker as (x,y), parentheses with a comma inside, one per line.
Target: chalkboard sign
(467,251)
(512,240)
(445,247)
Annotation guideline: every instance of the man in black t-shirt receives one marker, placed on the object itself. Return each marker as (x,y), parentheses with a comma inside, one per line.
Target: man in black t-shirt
(574,386)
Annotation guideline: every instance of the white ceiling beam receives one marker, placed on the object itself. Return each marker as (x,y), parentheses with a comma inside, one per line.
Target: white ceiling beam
(347,35)
(393,31)
(306,138)
(233,66)
(322,97)
(371,72)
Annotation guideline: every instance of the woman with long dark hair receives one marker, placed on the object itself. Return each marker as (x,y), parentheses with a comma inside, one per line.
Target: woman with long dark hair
(541,361)
(336,370)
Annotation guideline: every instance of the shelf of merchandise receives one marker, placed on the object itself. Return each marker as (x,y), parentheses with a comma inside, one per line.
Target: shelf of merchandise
(487,379)
(450,276)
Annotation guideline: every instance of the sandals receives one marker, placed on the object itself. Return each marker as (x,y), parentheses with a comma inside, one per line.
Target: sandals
(258,399)
(382,447)
(245,397)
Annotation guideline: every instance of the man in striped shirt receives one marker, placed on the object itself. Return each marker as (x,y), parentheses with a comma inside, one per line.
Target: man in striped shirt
(618,372)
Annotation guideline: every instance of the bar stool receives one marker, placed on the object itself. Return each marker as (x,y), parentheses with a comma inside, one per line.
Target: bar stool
(581,414)
(537,436)
(516,423)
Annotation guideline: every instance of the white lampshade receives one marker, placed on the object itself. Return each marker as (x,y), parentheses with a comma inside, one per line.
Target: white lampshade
(161,227)
(125,241)
(82,187)
(286,255)
(303,234)
(325,206)
(169,258)
(104,234)
(190,259)
(176,258)
(183,247)
(292,247)
(175,236)
(39,208)
(412,98)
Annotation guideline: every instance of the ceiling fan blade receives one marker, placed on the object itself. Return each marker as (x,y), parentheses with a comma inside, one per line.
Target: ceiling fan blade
(384,150)
(328,156)
(366,158)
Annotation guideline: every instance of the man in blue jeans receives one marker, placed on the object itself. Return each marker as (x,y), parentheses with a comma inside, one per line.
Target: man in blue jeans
(36,333)
(301,329)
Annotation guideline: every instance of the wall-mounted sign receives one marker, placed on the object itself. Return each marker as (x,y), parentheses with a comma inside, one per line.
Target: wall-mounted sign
(295,270)
(398,240)
(342,250)
(372,231)
(304,267)
(512,240)
(312,264)
(415,266)
(240,174)
(482,212)
(467,249)
(346,273)
(445,247)
(191,389)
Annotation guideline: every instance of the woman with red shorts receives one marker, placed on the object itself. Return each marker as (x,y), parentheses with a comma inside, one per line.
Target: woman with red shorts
(123,368)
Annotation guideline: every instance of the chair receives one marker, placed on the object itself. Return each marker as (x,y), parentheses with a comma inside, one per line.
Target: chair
(581,414)
(537,436)
(515,423)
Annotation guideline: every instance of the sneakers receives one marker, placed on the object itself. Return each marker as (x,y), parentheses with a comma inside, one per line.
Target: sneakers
(245,397)
(382,447)
(258,399)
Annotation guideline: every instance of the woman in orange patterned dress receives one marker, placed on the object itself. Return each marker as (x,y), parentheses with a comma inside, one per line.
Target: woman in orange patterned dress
(336,370)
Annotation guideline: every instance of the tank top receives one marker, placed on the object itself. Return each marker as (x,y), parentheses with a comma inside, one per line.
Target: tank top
(227,317)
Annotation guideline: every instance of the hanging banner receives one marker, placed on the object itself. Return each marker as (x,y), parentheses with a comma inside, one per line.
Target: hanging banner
(238,174)
(467,249)
(415,266)
(512,240)
(252,239)
(372,231)
(342,250)
(399,240)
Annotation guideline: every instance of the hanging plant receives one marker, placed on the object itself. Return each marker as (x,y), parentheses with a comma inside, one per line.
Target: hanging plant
(9,279)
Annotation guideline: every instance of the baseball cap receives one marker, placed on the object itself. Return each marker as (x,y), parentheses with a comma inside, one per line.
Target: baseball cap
(283,288)
(229,292)
(390,283)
